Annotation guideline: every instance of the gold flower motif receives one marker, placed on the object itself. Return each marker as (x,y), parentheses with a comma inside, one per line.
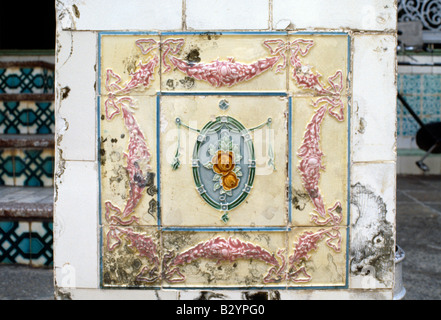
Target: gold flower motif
(230,181)
(223,162)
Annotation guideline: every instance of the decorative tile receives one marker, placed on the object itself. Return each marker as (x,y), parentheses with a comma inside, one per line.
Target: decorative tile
(311,71)
(317,257)
(239,260)
(27,117)
(320,163)
(132,257)
(432,84)
(13,118)
(41,243)
(224,160)
(15,243)
(249,190)
(133,68)
(7,167)
(215,62)
(15,80)
(34,168)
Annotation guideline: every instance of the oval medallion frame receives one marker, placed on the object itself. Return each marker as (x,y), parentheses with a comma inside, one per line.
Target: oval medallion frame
(225,125)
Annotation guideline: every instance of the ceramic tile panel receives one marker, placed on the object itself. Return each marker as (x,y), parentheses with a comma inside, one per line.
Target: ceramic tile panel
(224,159)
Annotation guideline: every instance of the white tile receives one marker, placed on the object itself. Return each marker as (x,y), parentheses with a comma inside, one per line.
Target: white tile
(76,252)
(119,15)
(374,108)
(227,14)
(75,95)
(373,211)
(341,14)
(96,294)
(336,295)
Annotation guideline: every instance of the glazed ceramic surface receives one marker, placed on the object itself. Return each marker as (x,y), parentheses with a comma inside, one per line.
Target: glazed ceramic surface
(224,159)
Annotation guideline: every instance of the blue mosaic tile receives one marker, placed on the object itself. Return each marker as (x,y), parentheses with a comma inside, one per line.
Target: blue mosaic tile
(15,243)
(26,80)
(431,105)
(41,246)
(411,83)
(27,117)
(34,168)
(409,126)
(6,168)
(432,84)
(414,102)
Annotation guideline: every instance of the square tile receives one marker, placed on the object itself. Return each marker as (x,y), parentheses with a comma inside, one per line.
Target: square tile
(319,64)
(7,157)
(15,247)
(34,167)
(258,160)
(317,257)
(131,257)
(129,64)
(13,117)
(41,244)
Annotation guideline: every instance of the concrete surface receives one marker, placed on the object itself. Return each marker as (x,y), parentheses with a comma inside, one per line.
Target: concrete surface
(418,233)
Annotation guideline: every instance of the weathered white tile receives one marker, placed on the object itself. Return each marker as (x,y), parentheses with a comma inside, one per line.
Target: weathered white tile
(227,15)
(76,252)
(335,295)
(374,99)
(373,211)
(75,95)
(94,294)
(119,15)
(344,14)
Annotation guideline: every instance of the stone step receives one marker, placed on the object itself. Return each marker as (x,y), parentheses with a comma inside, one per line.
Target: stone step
(27,141)
(26,203)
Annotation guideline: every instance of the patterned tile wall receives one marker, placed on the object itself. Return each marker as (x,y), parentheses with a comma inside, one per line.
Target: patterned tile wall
(423,93)
(26,243)
(27,167)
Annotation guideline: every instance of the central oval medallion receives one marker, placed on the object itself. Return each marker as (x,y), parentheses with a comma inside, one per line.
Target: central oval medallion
(224,164)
